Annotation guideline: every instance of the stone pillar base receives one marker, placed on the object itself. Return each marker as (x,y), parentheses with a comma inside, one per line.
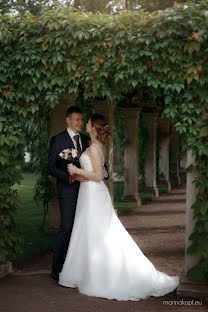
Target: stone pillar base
(179,179)
(174,179)
(188,288)
(166,183)
(154,190)
(5,269)
(134,199)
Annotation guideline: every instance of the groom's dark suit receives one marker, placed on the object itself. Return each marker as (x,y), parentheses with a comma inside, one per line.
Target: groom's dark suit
(67,194)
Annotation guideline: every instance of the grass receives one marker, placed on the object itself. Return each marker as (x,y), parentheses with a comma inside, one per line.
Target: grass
(29,221)
(29,218)
(146,197)
(122,207)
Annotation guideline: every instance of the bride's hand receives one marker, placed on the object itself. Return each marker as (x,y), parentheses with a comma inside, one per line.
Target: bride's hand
(72,169)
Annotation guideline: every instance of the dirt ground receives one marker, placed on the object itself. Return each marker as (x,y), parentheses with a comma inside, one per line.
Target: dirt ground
(159,230)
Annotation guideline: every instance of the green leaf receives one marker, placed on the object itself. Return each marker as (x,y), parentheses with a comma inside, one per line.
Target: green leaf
(44,46)
(192,46)
(3,160)
(203,210)
(206,229)
(55,60)
(68,66)
(161,34)
(40,39)
(60,57)
(2,140)
(13,138)
(7,141)
(204,132)
(189,79)
(134,83)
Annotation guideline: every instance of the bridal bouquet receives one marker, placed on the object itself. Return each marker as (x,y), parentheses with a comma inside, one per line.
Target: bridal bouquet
(72,156)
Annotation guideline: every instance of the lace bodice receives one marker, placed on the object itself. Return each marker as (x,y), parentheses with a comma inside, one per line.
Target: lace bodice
(85,160)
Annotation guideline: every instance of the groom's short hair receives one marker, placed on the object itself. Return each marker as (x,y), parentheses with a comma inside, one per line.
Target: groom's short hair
(73,109)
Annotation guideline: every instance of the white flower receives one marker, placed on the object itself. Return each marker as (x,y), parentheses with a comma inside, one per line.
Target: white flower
(74,153)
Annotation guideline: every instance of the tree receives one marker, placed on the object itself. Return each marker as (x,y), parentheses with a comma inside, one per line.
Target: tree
(154,4)
(5,6)
(91,5)
(146,4)
(35,7)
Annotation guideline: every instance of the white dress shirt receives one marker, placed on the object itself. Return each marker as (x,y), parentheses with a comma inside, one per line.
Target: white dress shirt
(72,134)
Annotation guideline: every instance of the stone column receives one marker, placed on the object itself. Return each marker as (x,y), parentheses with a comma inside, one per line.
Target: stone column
(164,152)
(191,192)
(174,156)
(150,121)
(5,269)
(107,110)
(131,116)
(58,124)
(187,287)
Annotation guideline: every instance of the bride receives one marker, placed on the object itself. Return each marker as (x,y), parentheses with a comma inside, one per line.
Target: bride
(102,259)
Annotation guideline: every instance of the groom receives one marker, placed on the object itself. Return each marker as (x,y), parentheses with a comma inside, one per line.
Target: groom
(67,193)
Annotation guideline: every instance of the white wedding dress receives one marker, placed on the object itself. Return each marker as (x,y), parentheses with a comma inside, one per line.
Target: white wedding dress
(103,260)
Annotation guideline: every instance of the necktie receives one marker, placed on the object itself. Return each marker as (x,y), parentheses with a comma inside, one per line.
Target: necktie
(76,137)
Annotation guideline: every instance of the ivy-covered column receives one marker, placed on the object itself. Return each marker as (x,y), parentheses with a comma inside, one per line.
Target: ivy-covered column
(107,110)
(164,152)
(187,287)
(174,157)
(131,116)
(58,124)
(191,193)
(150,120)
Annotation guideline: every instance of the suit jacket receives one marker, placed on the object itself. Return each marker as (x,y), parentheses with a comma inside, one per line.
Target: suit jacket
(57,167)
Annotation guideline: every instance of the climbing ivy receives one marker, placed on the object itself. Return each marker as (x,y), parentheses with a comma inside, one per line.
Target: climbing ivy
(11,156)
(155,60)
(38,134)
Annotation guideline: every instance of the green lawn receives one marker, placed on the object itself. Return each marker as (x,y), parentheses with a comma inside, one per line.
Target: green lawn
(121,207)
(29,218)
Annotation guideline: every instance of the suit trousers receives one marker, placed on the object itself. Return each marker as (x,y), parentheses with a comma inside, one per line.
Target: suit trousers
(67,211)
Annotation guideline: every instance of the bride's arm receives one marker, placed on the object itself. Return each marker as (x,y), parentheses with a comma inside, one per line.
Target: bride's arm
(97,173)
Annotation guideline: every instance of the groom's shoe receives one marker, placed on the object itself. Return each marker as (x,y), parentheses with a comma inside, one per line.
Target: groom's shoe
(54,276)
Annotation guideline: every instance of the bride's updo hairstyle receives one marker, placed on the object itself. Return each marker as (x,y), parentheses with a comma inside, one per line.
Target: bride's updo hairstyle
(100,123)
